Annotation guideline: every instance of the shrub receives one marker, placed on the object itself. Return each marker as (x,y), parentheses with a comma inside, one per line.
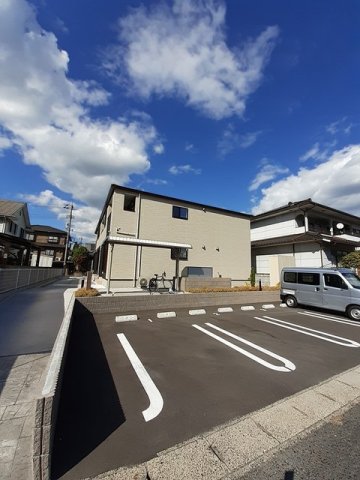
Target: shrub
(90,292)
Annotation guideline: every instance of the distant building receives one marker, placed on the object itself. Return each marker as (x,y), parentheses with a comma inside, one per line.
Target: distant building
(47,245)
(14,231)
(141,233)
(301,234)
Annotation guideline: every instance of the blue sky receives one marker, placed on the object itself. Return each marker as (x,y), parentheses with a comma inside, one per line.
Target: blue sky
(244,105)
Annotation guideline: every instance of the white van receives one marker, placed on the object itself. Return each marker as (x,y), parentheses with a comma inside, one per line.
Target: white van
(332,288)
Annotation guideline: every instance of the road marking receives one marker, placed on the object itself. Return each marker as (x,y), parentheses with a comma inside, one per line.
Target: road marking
(225,309)
(327,337)
(354,323)
(166,314)
(200,311)
(156,400)
(289,366)
(149,319)
(126,318)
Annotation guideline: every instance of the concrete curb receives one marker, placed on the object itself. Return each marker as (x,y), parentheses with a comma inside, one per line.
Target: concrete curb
(230,450)
(47,404)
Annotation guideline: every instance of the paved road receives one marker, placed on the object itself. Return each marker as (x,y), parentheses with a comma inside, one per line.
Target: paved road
(202,380)
(30,319)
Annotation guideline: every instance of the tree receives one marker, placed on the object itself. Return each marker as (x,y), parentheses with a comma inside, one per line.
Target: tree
(80,256)
(351,260)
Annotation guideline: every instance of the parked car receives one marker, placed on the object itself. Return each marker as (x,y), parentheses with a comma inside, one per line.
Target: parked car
(332,288)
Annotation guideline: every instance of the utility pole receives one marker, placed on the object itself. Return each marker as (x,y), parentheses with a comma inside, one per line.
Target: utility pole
(70,207)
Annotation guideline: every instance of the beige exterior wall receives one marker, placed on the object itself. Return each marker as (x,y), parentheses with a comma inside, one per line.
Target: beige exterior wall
(225,236)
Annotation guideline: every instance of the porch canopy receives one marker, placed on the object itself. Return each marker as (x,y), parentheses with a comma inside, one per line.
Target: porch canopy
(146,243)
(140,242)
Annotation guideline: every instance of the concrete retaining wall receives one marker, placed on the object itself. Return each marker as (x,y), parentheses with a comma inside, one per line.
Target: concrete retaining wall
(188,283)
(129,303)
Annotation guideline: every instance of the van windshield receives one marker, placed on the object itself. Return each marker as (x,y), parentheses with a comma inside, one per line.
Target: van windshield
(353,279)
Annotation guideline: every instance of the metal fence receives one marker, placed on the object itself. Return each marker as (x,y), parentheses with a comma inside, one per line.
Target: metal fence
(13,278)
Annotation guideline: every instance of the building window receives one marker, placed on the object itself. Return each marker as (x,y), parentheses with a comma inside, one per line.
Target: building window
(180,253)
(300,221)
(129,203)
(30,237)
(180,212)
(52,239)
(49,253)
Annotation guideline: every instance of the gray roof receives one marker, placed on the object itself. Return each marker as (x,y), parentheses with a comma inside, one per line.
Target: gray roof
(47,229)
(9,208)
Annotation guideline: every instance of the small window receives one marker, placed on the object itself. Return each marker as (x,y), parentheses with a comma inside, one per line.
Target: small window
(52,239)
(180,253)
(300,221)
(49,253)
(309,278)
(180,212)
(290,277)
(129,203)
(332,280)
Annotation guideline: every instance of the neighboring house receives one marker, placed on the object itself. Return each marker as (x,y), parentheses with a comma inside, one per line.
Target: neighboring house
(141,233)
(301,234)
(14,229)
(47,245)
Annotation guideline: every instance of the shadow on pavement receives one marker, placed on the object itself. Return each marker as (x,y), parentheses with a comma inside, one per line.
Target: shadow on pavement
(89,407)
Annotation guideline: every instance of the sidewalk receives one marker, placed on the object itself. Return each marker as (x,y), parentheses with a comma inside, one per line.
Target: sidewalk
(20,385)
(29,320)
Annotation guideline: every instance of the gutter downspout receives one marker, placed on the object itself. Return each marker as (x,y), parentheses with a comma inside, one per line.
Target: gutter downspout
(137,254)
(110,267)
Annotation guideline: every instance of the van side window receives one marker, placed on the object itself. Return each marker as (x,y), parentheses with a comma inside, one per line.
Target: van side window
(332,280)
(290,277)
(309,278)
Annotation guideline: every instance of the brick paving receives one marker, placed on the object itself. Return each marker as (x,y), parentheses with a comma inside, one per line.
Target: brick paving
(20,384)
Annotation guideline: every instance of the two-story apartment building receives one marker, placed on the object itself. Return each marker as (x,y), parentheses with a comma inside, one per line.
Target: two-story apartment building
(141,233)
(47,245)
(301,234)
(14,229)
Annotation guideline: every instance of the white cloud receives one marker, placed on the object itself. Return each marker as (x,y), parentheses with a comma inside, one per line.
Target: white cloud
(179,169)
(182,51)
(189,147)
(340,126)
(334,183)
(5,143)
(159,148)
(267,173)
(317,153)
(48,117)
(84,218)
(231,140)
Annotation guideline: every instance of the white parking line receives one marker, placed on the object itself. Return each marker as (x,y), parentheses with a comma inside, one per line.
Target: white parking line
(289,366)
(327,337)
(331,319)
(156,400)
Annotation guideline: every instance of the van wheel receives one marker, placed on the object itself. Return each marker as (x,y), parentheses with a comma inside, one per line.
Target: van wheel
(354,312)
(291,301)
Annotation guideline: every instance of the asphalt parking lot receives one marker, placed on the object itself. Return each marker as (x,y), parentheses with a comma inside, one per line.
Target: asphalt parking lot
(134,388)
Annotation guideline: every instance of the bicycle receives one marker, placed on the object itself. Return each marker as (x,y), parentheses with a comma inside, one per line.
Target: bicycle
(154,283)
